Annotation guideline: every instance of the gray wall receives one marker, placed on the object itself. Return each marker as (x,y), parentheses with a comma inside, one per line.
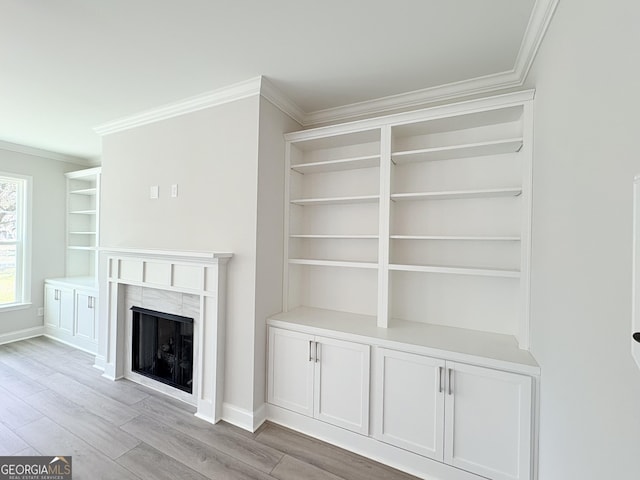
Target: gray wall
(270,247)
(212,155)
(586,155)
(48,229)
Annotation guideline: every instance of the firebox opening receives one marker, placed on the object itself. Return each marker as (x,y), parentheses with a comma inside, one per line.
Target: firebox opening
(163,347)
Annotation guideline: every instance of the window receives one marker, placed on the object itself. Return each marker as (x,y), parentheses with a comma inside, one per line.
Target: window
(14,240)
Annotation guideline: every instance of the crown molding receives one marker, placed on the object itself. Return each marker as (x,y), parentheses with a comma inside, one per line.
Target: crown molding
(39,152)
(541,15)
(281,101)
(414,99)
(231,93)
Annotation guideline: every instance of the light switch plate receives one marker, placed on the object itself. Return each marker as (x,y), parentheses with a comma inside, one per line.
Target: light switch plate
(174,190)
(153,192)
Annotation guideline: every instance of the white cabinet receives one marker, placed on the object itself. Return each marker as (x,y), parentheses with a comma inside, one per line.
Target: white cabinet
(86,314)
(71,302)
(410,394)
(71,312)
(488,422)
(320,377)
(58,307)
(291,368)
(473,418)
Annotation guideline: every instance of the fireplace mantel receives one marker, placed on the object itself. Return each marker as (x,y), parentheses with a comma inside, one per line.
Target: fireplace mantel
(196,273)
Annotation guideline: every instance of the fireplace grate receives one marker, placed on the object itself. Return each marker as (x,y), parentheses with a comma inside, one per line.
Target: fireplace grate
(162,347)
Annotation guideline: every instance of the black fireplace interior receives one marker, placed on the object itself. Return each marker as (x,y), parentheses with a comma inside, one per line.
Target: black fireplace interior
(163,347)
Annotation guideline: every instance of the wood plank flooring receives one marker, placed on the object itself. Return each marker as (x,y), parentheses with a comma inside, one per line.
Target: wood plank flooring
(53,402)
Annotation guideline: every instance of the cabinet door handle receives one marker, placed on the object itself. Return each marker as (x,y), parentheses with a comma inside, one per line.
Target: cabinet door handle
(317,352)
(450,381)
(56,294)
(310,342)
(439,379)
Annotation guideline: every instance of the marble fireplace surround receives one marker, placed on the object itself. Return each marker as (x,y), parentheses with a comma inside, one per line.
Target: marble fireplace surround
(191,284)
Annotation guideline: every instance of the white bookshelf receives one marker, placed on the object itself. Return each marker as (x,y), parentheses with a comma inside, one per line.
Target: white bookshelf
(420,217)
(83,204)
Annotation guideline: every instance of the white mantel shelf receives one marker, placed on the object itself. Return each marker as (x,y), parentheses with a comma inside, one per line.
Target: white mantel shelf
(166,254)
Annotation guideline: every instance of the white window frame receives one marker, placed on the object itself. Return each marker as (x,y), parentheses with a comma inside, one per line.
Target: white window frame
(23,241)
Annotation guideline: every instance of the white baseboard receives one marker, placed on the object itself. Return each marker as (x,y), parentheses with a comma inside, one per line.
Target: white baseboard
(245,419)
(99,362)
(68,343)
(369,447)
(21,335)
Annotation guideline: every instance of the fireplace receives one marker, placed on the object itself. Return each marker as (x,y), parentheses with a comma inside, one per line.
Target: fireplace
(162,347)
(184,359)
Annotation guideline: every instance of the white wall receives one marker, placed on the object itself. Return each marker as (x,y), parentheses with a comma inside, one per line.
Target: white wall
(586,155)
(48,230)
(212,155)
(270,251)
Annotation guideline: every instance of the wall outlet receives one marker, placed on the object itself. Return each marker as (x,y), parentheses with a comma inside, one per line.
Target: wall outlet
(41,311)
(153,192)
(174,190)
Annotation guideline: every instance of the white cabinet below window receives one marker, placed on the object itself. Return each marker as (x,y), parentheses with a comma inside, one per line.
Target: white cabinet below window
(473,418)
(70,313)
(320,377)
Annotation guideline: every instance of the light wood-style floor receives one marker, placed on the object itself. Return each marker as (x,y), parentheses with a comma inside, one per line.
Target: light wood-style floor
(53,402)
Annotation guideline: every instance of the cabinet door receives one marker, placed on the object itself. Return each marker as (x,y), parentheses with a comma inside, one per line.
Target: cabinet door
(342,384)
(410,399)
(290,370)
(488,422)
(86,315)
(51,306)
(66,309)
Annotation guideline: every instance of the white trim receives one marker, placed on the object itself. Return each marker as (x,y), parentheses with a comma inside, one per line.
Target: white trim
(70,344)
(428,113)
(541,15)
(168,254)
(21,335)
(414,99)
(23,243)
(220,96)
(281,101)
(99,362)
(39,152)
(15,306)
(242,418)
(409,462)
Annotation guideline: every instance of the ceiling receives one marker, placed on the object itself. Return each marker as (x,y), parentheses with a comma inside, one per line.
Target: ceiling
(69,65)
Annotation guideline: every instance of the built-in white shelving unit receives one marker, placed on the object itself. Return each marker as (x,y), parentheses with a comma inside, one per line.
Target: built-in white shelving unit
(83,204)
(406,299)
(417,217)
(70,310)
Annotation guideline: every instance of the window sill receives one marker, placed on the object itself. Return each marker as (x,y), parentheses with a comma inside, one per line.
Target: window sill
(15,306)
